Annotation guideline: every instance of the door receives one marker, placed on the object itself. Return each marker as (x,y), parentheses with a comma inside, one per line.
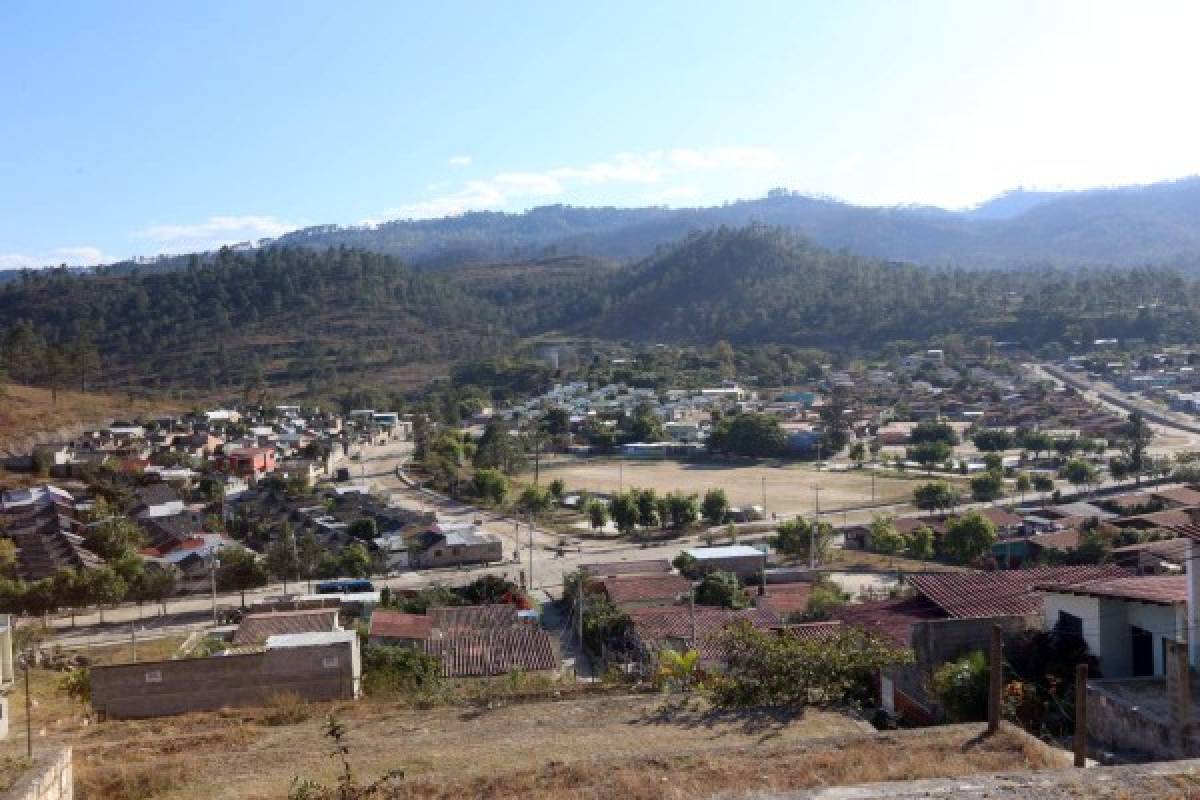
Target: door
(1142,642)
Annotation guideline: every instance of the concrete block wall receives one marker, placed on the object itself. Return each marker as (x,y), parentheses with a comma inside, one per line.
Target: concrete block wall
(160,688)
(50,778)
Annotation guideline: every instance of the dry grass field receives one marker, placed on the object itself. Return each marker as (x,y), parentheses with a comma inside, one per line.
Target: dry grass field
(25,411)
(789,487)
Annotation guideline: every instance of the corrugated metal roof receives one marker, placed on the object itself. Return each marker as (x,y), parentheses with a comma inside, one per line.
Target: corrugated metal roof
(460,618)
(398,625)
(656,565)
(1159,589)
(725,551)
(256,628)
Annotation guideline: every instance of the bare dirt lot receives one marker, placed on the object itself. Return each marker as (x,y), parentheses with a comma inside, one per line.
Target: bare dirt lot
(789,487)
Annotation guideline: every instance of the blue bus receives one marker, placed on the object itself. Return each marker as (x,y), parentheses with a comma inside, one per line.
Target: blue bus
(345,586)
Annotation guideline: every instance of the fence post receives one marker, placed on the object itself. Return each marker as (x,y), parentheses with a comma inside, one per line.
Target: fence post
(1081,732)
(1179,697)
(996,682)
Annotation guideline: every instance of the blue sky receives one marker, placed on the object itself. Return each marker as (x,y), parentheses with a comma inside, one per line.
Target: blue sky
(132,128)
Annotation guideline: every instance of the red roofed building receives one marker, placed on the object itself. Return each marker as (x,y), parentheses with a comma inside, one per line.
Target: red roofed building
(952,614)
(686,628)
(396,627)
(629,591)
(249,462)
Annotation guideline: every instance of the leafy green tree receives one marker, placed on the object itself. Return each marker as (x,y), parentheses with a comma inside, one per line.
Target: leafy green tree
(364,528)
(926,432)
(920,544)
(105,588)
(825,598)
(994,440)
(682,509)
(987,487)
(835,421)
(647,504)
(1137,438)
(1079,473)
(935,496)
(354,561)
(490,485)
(1023,483)
(240,570)
(715,506)
(968,538)
(797,537)
(597,514)
(394,670)
(1043,483)
(961,686)
(646,426)
(884,536)
(114,538)
(858,453)
(1036,442)
(308,554)
(753,435)
(557,488)
(677,671)
(765,669)
(929,454)
(720,589)
(685,563)
(534,500)
(498,449)
(623,509)
(283,557)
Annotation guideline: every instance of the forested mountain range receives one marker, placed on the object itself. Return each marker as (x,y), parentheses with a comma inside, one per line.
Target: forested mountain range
(1131,226)
(311,322)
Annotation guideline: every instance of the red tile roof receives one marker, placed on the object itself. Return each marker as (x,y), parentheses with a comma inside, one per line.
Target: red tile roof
(656,625)
(1160,589)
(643,588)
(255,628)
(1003,593)
(398,625)
(607,568)
(813,631)
(1157,519)
(1183,495)
(891,619)
(784,599)
(494,652)
(1056,540)
(473,618)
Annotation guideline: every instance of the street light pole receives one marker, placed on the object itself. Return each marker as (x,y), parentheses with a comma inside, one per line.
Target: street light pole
(764,495)
(812,536)
(216,562)
(531,554)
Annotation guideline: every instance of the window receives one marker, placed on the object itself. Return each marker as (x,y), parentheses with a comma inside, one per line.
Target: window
(437,553)
(154,676)
(1069,625)
(329,662)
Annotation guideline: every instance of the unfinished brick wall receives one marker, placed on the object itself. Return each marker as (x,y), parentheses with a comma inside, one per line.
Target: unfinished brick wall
(160,688)
(49,778)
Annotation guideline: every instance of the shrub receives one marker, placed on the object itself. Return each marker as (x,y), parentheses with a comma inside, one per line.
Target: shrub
(400,670)
(961,687)
(286,708)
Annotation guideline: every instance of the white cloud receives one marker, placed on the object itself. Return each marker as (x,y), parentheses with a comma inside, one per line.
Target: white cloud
(674,196)
(84,256)
(651,168)
(213,232)
(459,161)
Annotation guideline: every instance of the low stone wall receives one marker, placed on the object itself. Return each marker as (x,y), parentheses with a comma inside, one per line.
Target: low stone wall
(50,778)
(1120,725)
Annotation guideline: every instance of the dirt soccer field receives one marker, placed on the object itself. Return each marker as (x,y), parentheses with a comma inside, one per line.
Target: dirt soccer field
(789,488)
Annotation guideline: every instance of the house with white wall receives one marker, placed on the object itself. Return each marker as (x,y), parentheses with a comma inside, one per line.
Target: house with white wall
(1126,622)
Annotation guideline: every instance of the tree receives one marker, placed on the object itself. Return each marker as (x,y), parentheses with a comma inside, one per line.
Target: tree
(159,583)
(364,528)
(597,513)
(1137,437)
(240,570)
(935,496)
(308,553)
(72,590)
(929,454)
(105,588)
(490,485)
(114,538)
(720,589)
(993,440)
(884,536)
(354,561)
(752,435)
(1043,482)
(1023,484)
(825,598)
(646,426)
(283,559)
(534,500)
(677,671)
(928,431)
(715,506)
(968,538)
(498,449)
(557,489)
(858,453)
(961,685)
(557,422)
(768,669)
(797,537)
(987,487)
(685,563)
(647,505)
(834,420)
(624,511)
(920,544)
(682,509)
(1079,473)
(1035,441)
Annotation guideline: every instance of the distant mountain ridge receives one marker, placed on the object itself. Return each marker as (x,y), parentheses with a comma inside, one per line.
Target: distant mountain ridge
(1129,226)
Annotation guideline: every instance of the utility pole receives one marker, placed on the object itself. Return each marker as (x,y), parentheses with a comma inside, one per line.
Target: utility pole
(996,681)
(812,533)
(28,707)
(133,641)
(213,577)
(1081,736)
(872,484)
(764,495)
(579,611)
(531,553)
(620,476)
(692,616)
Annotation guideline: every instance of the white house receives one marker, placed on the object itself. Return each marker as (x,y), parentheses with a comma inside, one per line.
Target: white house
(1125,621)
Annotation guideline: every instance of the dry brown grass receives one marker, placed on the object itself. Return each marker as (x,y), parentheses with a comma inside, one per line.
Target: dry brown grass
(25,411)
